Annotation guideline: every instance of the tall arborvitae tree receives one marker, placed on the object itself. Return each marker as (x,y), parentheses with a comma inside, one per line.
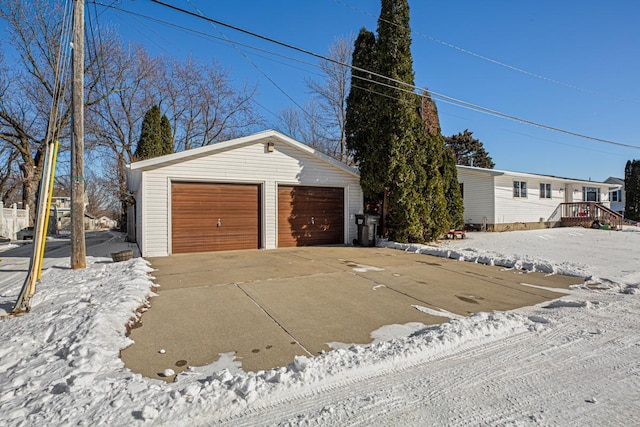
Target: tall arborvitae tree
(448,170)
(632,190)
(400,126)
(469,151)
(452,191)
(399,163)
(363,141)
(155,135)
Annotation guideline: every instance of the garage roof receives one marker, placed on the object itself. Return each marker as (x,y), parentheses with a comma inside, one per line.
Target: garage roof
(264,137)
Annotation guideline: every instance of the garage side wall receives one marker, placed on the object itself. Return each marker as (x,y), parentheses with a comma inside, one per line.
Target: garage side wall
(251,164)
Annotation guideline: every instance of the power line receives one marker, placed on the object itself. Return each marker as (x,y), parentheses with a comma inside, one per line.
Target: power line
(488,59)
(276,85)
(441,97)
(225,40)
(565,144)
(413,87)
(234,44)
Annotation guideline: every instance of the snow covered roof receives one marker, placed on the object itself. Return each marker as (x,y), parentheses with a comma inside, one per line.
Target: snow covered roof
(264,137)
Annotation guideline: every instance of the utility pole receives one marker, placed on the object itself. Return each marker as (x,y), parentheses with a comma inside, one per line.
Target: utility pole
(78,246)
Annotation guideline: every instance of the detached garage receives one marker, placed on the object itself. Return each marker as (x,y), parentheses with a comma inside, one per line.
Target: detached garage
(262,191)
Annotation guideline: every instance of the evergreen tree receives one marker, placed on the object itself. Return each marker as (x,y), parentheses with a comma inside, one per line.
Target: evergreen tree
(452,193)
(632,190)
(454,211)
(469,151)
(155,135)
(400,162)
(166,139)
(369,151)
(400,126)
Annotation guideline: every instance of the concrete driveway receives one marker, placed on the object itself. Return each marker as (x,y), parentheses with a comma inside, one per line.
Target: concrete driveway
(269,306)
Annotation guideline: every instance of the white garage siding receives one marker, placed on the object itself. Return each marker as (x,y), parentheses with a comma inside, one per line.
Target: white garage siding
(246,160)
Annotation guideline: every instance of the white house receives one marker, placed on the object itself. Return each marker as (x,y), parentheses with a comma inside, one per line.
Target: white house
(616,194)
(106,222)
(502,200)
(261,191)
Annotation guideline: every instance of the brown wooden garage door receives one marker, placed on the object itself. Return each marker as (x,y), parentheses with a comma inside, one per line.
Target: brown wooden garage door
(310,216)
(214,217)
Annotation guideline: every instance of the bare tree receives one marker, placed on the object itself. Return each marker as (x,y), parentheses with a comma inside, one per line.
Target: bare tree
(200,101)
(120,85)
(28,89)
(102,200)
(332,94)
(306,125)
(290,124)
(203,105)
(10,181)
(129,82)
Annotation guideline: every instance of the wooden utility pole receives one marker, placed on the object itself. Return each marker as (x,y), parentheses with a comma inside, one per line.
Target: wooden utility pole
(78,247)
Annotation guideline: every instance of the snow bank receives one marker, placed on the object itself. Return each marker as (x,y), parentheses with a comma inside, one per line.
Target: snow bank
(62,366)
(63,356)
(598,256)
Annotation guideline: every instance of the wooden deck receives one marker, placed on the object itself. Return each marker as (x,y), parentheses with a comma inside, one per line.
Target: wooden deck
(584,214)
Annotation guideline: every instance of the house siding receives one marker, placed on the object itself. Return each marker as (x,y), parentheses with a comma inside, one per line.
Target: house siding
(251,164)
(489,194)
(478,197)
(510,209)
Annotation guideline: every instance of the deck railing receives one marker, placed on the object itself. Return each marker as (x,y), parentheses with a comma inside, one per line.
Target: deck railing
(585,213)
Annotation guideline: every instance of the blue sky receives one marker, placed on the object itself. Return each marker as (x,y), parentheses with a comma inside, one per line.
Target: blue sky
(579,63)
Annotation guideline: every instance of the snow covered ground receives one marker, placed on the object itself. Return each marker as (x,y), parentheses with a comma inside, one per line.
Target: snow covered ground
(573,361)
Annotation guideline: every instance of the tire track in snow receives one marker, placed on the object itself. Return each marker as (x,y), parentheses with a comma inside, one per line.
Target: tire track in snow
(321,401)
(475,384)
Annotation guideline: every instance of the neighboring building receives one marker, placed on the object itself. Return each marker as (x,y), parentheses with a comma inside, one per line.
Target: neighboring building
(497,200)
(61,210)
(13,221)
(106,222)
(262,191)
(616,194)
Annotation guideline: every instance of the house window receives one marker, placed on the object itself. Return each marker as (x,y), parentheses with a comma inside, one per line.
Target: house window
(545,191)
(590,194)
(462,190)
(615,196)
(519,189)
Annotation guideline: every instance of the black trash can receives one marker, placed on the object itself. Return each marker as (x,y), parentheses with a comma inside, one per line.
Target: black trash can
(367,228)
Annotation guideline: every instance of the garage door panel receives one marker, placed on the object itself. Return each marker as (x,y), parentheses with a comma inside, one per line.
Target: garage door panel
(310,216)
(215,217)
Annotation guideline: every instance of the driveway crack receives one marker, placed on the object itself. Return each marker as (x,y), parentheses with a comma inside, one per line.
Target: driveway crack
(280,325)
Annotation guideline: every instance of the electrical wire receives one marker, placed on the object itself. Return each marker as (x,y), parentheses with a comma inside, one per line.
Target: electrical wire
(224,41)
(488,59)
(412,88)
(61,66)
(265,75)
(446,98)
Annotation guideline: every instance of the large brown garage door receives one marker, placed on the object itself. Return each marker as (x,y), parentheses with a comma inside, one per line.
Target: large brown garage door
(310,216)
(214,217)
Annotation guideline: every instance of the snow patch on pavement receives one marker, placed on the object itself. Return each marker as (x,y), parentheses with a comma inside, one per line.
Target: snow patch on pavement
(438,312)
(61,361)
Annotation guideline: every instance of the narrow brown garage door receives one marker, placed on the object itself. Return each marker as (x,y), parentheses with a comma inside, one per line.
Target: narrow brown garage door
(310,216)
(214,217)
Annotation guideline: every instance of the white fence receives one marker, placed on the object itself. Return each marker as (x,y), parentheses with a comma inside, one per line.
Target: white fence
(12,220)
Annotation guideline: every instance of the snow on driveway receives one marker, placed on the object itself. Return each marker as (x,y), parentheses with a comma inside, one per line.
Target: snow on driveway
(573,361)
